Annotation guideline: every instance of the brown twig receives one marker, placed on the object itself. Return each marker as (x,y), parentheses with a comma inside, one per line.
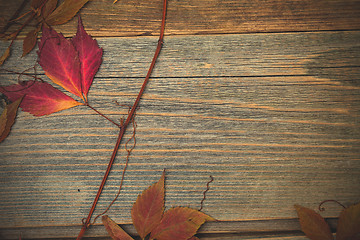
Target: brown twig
(86,224)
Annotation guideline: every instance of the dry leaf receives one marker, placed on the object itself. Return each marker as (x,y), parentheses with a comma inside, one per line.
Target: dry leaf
(179,223)
(29,41)
(7,118)
(66,11)
(148,209)
(40,97)
(349,223)
(5,56)
(114,230)
(36,3)
(48,8)
(313,225)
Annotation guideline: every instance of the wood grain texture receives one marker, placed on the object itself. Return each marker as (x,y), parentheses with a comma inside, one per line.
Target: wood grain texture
(137,17)
(261,229)
(262,95)
(273,117)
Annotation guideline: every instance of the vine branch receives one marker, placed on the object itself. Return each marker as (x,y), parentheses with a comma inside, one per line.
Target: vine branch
(123,128)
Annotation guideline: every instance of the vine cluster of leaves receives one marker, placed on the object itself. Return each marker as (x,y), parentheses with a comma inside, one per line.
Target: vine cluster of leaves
(151,222)
(69,63)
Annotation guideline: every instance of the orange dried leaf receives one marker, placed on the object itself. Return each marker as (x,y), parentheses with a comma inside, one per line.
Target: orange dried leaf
(36,3)
(7,118)
(49,7)
(114,230)
(147,211)
(180,223)
(349,223)
(66,11)
(40,98)
(5,55)
(312,224)
(29,41)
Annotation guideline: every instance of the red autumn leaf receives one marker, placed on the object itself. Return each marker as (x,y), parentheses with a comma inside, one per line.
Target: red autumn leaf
(179,223)
(114,230)
(66,11)
(7,118)
(312,224)
(349,223)
(60,61)
(89,54)
(40,98)
(148,209)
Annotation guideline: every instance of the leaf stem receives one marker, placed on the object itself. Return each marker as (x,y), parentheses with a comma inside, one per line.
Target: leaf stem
(86,224)
(87,104)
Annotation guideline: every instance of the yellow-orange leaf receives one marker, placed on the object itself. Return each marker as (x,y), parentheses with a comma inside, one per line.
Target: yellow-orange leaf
(349,223)
(179,223)
(66,11)
(312,224)
(115,231)
(7,118)
(148,209)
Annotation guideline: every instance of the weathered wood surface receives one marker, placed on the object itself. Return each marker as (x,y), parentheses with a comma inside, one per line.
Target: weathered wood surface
(274,117)
(138,17)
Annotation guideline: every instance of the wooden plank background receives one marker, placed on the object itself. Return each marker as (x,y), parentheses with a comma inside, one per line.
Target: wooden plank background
(262,95)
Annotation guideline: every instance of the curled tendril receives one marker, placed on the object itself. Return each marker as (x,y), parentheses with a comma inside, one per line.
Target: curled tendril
(204,193)
(323,209)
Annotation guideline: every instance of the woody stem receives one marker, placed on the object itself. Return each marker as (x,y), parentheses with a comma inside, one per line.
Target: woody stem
(130,116)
